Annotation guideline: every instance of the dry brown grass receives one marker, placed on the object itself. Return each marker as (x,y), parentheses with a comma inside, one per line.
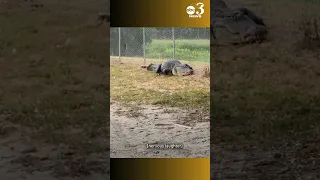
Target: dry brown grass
(53,65)
(265,99)
(273,84)
(206,71)
(131,83)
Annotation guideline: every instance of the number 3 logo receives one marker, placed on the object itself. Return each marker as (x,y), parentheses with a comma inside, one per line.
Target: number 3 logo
(200,6)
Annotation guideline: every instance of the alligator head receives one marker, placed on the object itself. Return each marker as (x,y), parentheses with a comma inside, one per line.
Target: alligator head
(153,67)
(242,30)
(182,70)
(235,26)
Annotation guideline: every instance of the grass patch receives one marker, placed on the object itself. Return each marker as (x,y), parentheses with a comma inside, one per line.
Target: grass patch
(268,94)
(49,73)
(191,50)
(132,84)
(265,116)
(256,100)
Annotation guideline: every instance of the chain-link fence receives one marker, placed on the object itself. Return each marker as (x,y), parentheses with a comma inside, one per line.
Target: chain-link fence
(191,44)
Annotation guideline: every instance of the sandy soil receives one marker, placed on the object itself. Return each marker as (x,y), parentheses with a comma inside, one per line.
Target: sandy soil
(280,161)
(132,129)
(22,157)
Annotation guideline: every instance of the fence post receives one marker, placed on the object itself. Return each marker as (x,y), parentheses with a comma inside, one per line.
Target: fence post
(144,45)
(119,42)
(174,45)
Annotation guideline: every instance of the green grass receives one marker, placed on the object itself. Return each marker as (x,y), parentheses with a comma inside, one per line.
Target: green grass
(190,50)
(131,84)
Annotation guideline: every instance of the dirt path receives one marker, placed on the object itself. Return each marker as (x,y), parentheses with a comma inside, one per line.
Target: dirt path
(299,160)
(132,129)
(24,158)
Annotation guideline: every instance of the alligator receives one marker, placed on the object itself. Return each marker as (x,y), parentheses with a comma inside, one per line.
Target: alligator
(153,67)
(171,67)
(235,26)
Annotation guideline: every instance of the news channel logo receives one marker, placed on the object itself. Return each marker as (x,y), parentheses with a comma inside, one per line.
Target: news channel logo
(195,10)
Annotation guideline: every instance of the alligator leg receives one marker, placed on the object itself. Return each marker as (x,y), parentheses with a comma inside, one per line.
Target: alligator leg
(158,71)
(167,72)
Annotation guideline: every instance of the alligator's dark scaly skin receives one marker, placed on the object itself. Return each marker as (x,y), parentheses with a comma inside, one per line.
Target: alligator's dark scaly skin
(153,67)
(171,67)
(166,67)
(240,25)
